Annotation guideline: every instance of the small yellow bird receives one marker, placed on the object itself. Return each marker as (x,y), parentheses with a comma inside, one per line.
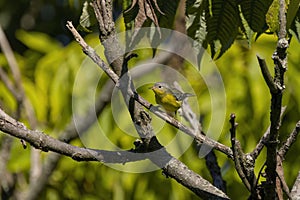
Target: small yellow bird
(169,98)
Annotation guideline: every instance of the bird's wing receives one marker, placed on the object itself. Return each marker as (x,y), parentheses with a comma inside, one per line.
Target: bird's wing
(179,95)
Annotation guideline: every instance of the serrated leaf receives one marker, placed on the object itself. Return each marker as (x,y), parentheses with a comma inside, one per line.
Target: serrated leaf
(255,12)
(248,32)
(222,25)
(196,24)
(167,16)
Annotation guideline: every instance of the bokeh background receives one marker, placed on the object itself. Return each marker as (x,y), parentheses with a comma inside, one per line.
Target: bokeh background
(49,60)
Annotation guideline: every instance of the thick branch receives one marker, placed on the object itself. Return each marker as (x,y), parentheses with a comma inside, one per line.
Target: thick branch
(190,179)
(112,49)
(46,143)
(280,60)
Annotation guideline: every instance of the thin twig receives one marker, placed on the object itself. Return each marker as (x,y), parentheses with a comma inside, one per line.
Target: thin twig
(266,74)
(289,142)
(8,84)
(10,58)
(238,154)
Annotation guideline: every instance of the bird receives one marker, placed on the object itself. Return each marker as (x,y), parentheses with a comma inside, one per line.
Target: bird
(169,98)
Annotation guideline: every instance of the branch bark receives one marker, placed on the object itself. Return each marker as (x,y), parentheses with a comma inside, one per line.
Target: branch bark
(41,141)
(280,60)
(295,192)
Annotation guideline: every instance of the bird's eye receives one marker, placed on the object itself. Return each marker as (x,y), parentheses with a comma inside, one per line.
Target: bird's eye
(159,86)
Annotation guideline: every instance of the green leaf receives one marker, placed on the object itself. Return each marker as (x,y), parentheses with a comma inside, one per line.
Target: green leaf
(255,12)
(196,24)
(295,27)
(222,18)
(292,12)
(87,18)
(246,29)
(272,17)
(169,8)
(38,41)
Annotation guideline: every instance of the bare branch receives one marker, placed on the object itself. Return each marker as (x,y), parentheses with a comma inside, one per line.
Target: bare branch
(280,60)
(10,58)
(112,49)
(282,20)
(46,143)
(22,102)
(266,74)
(215,171)
(190,179)
(281,184)
(289,142)
(8,84)
(7,182)
(238,154)
(295,192)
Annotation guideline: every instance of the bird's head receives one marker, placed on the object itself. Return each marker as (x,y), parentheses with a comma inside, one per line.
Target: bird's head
(160,88)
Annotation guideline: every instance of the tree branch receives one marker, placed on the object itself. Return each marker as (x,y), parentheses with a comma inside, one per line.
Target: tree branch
(280,60)
(238,155)
(266,74)
(295,192)
(215,171)
(46,143)
(112,49)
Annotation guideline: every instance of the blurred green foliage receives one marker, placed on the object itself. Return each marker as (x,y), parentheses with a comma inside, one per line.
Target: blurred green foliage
(49,70)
